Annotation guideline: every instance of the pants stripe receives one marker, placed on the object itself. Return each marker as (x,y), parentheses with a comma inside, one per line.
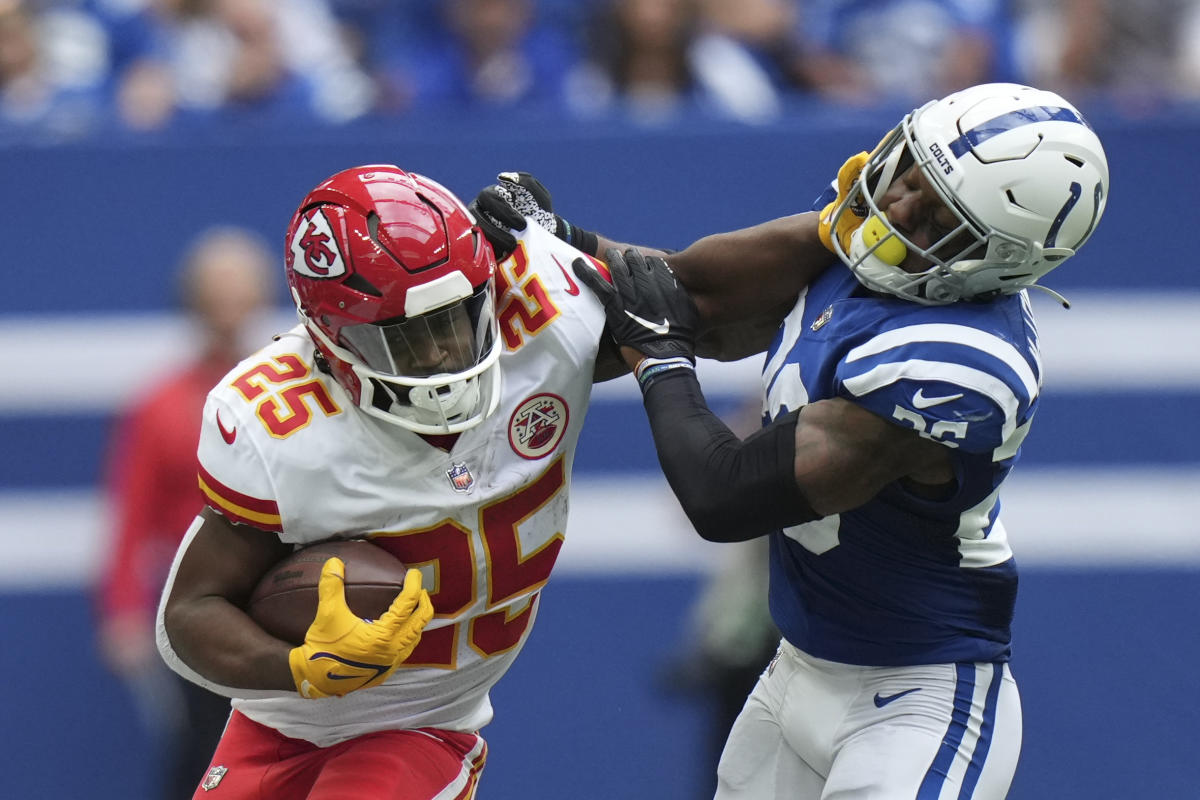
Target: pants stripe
(964,690)
(468,791)
(985,735)
(463,787)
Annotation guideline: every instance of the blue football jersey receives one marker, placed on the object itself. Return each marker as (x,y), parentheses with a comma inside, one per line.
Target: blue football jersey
(902,579)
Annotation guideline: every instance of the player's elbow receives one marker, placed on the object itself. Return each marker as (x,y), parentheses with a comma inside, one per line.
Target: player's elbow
(172,629)
(721,513)
(724,527)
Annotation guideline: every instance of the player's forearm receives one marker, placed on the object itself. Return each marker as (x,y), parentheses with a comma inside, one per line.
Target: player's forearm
(222,644)
(744,282)
(731,490)
(603,244)
(735,276)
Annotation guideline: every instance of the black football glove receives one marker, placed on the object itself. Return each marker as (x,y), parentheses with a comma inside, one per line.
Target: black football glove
(647,309)
(504,205)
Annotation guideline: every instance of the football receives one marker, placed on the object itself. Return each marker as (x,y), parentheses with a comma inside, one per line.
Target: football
(284,602)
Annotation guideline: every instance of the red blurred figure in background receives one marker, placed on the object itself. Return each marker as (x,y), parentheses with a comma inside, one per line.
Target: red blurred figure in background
(225,285)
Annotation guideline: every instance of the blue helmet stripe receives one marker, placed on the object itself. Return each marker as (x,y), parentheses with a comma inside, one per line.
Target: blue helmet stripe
(1013,119)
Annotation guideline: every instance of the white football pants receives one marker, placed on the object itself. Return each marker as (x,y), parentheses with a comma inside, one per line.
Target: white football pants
(818,730)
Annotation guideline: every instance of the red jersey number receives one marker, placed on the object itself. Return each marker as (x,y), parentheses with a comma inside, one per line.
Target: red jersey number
(447,549)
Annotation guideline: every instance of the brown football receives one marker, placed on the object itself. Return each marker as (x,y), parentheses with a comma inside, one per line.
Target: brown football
(284,602)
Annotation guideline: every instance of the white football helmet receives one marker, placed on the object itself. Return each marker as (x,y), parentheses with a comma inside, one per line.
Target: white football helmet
(1019,167)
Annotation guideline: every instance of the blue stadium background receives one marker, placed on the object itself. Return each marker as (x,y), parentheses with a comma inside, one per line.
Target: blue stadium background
(1103,513)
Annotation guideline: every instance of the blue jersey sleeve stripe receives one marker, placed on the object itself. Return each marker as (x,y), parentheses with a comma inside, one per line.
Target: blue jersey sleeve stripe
(952,334)
(975,380)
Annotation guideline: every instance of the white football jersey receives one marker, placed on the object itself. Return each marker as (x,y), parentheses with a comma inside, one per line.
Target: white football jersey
(284,448)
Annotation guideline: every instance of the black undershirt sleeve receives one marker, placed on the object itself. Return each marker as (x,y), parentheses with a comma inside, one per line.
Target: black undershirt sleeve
(731,490)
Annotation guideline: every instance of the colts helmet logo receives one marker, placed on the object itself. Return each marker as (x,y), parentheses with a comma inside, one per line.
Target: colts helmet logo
(315,252)
(538,425)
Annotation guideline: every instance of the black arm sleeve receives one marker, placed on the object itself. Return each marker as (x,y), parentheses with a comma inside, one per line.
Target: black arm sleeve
(731,490)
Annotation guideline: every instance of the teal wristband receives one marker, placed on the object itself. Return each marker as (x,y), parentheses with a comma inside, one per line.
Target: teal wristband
(579,238)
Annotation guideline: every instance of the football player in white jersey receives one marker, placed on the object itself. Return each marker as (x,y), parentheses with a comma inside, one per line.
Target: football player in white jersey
(431,401)
(896,394)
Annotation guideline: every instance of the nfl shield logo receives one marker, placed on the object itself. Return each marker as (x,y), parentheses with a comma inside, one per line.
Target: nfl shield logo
(213,777)
(460,477)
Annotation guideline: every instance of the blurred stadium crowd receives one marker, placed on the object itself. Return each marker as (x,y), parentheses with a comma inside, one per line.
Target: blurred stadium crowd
(72,69)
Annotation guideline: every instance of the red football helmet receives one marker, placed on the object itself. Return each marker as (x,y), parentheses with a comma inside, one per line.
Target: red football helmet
(394,281)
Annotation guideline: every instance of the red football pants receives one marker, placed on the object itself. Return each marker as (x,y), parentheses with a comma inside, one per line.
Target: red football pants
(262,764)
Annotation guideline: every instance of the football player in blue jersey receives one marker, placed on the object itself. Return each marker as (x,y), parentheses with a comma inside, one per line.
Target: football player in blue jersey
(898,389)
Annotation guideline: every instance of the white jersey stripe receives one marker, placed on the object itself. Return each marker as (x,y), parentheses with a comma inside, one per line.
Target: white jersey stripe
(792,328)
(977,546)
(919,370)
(787,391)
(1009,447)
(952,334)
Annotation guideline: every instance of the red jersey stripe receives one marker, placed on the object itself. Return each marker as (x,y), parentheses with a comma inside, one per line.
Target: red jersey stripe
(240,507)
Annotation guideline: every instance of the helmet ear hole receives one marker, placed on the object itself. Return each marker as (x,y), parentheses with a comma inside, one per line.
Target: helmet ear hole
(360,284)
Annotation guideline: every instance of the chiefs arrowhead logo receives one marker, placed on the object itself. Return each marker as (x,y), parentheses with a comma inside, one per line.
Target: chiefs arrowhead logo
(228,435)
(314,248)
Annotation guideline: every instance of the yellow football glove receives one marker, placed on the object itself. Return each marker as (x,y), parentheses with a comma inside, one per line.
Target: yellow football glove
(341,652)
(846,178)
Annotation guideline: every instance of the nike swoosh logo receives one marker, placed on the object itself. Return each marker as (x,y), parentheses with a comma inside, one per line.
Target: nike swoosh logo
(227,435)
(661,328)
(921,401)
(881,700)
(572,288)
(379,669)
